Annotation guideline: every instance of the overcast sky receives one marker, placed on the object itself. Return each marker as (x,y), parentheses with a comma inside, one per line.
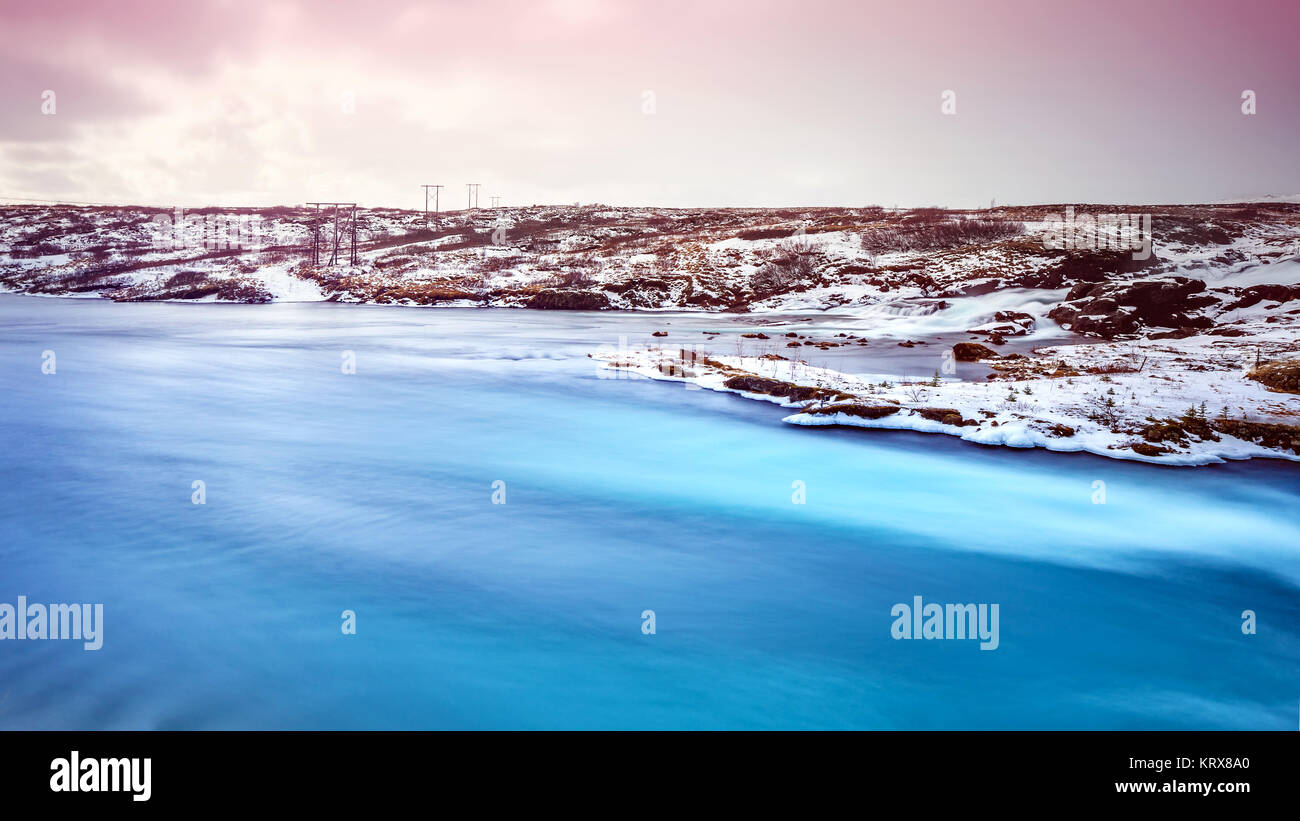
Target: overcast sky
(756,103)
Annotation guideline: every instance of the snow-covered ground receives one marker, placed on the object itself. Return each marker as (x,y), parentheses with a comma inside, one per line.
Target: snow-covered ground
(1172,401)
(1173,330)
(1102,414)
(751,260)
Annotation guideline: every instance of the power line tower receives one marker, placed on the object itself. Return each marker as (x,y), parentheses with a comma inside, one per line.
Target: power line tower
(342,225)
(436,191)
(471,190)
(496,201)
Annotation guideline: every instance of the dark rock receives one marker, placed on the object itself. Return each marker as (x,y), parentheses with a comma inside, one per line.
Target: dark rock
(775,387)
(803,393)
(1111,309)
(976,289)
(1095,266)
(861,411)
(1256,294)
(972,352)
(1148,449)
(563,300)
(1064,313)
(1103,305)
(1106,326)
(1084,289)
(946,416)
(1157,300)
(1180,333)
(757,384)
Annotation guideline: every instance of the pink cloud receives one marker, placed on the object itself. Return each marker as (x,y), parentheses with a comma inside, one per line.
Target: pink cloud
(755,103)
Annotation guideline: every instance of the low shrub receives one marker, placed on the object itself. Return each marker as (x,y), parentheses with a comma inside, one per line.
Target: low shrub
(928,235)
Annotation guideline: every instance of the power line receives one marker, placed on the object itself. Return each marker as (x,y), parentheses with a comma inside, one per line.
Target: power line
(343,219)
(436,190)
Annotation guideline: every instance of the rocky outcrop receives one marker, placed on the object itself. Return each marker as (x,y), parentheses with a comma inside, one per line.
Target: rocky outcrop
(861,411)
(972,352)
(1189,428)
(1111,309)
(1085,267)
(775,387)
(946,416)
(1148,449)
(1256,294)
(1179,431)
(564,300)
(1281,376)
(652,292)
(1265,434)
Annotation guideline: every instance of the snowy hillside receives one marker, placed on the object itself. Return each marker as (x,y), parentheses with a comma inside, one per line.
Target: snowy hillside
(619,258)
(1169,334)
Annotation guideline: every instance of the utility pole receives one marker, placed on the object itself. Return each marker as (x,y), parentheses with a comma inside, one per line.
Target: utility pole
(435,200)
(496,201)
(343,224)
(471,191)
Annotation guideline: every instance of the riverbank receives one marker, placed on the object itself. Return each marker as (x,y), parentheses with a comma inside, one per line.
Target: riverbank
(1192,405)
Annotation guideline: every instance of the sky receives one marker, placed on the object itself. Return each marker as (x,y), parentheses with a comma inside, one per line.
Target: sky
(664,103)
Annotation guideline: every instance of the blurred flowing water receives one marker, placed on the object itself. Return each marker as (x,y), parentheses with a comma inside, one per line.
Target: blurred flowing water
(372,492)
